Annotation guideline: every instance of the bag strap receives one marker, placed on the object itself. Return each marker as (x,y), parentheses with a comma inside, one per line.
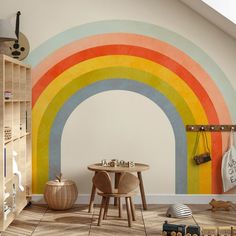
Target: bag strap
(231,138)
(196,144)
(205,142)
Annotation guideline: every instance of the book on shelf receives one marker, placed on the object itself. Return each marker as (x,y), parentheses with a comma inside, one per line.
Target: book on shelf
(5,161)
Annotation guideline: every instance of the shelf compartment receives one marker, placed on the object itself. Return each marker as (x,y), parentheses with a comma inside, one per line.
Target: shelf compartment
(8,75)
(29,162)
(20,195)
(22,83)
(22,118)
(8,111)
(28,84)
(28,117)
(16,120)
(8,220)
(22,154)
(8,148)
(16,82)
(8,201)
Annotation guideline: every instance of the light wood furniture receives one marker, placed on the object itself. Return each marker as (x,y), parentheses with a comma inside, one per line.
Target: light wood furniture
(127,184)
(15,138)
(139,168)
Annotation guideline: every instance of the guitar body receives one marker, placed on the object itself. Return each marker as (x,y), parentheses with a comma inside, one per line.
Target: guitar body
(20,48)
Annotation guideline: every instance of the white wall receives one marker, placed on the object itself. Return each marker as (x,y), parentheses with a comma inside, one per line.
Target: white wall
(42,19)
(122,125)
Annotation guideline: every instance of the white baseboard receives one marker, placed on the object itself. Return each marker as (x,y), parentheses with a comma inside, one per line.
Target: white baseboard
(156,198)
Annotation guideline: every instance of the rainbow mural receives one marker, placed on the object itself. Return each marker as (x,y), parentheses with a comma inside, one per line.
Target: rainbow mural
(135,56)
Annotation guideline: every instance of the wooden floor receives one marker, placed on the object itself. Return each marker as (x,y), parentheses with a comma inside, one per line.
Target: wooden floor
(39,220)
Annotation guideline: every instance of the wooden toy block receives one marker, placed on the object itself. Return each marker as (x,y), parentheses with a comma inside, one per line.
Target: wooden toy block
(224,230)
(209,231)
(233,232)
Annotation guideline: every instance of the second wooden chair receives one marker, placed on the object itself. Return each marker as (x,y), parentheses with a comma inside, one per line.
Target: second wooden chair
(127,184)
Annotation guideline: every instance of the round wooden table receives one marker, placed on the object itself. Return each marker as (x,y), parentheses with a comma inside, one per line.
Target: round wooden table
(139,167)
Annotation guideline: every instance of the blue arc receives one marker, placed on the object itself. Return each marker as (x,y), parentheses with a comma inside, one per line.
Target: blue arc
(128,85)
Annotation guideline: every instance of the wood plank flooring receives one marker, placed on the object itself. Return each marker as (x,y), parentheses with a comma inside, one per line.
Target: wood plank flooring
(38,220)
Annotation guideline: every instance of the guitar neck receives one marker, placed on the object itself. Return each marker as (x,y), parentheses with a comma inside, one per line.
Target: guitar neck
(17,24)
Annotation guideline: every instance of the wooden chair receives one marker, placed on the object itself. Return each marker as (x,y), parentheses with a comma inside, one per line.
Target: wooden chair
(127,184)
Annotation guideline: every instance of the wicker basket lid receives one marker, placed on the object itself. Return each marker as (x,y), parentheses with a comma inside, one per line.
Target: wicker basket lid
(62,183)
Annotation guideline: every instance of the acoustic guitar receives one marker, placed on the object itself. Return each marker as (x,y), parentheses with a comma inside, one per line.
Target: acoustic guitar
(20,47)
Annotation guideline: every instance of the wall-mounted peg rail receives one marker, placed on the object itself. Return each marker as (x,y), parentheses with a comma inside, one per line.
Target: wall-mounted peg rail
(210,128)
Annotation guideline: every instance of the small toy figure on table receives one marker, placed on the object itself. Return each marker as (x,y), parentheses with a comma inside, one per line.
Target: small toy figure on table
(104,162)
(115,163)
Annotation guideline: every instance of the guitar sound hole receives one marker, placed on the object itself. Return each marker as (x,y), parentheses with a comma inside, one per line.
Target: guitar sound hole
(16,45)
(15,53)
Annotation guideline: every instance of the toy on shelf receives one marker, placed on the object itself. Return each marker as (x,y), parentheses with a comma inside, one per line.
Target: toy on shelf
(16,171)
(7,133)
(7,210)
(6,194)
(7,95)
(116,162)
(220,205)
(13,197)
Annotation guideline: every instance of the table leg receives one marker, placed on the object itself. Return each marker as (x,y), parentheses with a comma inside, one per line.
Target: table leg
(142,191)
(117,179)
(120,207)
(92,196)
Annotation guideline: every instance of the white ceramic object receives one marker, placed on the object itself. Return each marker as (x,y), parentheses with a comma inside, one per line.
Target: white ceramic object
(179,211)
(16,171)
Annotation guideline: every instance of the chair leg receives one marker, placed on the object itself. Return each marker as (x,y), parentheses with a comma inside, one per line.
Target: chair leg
(132,209)
(101,210)
(106,208)
(128,211)
(117,179)
(120,207)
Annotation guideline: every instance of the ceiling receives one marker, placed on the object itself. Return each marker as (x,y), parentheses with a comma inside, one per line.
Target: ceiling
(212,15)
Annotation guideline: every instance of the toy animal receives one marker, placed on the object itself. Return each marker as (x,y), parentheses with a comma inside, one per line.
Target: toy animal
(220,205)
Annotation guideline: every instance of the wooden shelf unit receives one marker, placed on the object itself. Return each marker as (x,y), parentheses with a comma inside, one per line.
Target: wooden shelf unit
(15,137)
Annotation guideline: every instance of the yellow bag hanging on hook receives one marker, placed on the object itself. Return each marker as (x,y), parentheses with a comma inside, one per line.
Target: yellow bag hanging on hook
(205,156)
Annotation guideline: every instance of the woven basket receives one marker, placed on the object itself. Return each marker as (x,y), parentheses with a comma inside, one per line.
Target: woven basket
(60,195)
